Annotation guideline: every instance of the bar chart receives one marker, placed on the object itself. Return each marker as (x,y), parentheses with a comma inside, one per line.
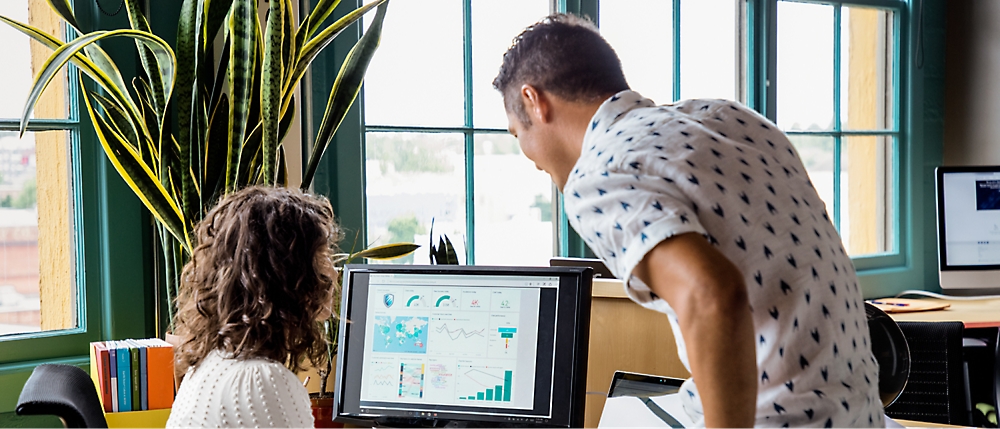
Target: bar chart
(500,392)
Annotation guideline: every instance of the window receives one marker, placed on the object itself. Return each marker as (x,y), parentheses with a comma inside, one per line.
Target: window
(38,287)
(836,81)
(76,256)
(838,77)
(437,148)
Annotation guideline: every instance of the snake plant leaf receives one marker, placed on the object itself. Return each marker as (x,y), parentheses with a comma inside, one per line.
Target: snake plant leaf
(216,151)
(288,48)
(281,171)
(270,94)
(387,251)
(345,90)
(110,82)
(243,37)
(188,29)
(66,52)
(155,71)
(220,80)
(320,13)
(120,123)
(65,11)
(286,122)
(139,177)
(315,45)
(249,167)
(151,118)
(216,16)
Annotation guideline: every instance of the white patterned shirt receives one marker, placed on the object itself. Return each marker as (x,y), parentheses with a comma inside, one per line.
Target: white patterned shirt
(223,392)
(717,168)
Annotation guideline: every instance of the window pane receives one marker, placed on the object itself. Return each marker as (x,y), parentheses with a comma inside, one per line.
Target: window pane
(709,58)
(866,219)
(805,66)
(37,286)
(817,156)
(23,59)
(494,25)
(415,77)
(412,179)
(866,74)
(641,33)
(513,205)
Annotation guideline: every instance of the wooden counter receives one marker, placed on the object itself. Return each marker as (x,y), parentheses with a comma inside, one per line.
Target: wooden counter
(625,336)
(974,314)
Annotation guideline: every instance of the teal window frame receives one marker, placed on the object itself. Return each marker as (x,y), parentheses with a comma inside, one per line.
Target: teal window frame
(112,243)
(918,131)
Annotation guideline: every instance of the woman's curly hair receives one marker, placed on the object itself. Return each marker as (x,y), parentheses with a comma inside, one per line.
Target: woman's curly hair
(260,277)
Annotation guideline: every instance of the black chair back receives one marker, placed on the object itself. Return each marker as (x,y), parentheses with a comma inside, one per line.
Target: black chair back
(64,391)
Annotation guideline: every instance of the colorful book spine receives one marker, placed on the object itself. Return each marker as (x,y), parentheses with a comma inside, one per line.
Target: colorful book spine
(124,377)
(133,350)
(113,358)
(101,356)
(144,377)
(160,373)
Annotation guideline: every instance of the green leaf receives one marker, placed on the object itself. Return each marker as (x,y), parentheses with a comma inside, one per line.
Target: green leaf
(270,94)
(320,13)
(217,10)
(66,52)
(139,177)
(345,90)
(243,55)
(120,122)
(216,152)
(65,11)
(387,251)
(314,46)
(188,29)
(156,72)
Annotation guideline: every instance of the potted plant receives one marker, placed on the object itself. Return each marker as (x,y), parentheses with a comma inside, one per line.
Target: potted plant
(195,126)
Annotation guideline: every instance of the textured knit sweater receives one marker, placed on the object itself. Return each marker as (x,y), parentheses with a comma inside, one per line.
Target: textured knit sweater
(225,392)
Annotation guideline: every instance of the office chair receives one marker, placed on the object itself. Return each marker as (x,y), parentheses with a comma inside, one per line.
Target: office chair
(64,391)
(892,353)
(937,390)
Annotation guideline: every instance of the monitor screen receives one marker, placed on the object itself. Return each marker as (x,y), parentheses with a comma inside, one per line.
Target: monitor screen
(427,345)
(968,200)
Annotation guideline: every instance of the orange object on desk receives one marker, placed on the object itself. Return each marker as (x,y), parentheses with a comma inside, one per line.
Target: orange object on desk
(903,305)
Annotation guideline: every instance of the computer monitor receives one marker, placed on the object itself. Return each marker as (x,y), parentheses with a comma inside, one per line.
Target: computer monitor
(463,346)
(968,221)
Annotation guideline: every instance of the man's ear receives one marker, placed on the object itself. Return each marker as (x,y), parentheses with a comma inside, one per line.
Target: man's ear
(536,104)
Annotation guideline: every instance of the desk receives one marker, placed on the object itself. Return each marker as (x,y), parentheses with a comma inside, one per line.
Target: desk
(973,314)
(625,336)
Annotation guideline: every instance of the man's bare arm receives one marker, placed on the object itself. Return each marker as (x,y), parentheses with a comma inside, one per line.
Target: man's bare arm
(708,293)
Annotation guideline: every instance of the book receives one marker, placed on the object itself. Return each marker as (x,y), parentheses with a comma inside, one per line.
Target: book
(143,378)
(133,350)
(159,373)
(124,377)
(100,362)
(113,359)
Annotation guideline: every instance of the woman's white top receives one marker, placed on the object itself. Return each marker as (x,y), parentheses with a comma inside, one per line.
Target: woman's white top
(226,392)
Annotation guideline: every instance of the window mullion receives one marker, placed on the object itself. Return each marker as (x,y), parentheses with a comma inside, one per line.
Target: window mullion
(677,49)
(470,207)
(838,139)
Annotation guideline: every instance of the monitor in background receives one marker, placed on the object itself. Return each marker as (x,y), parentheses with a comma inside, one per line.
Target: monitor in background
(968,221)
(463,345)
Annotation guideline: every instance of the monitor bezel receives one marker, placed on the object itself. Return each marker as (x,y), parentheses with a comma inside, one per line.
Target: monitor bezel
(942,229)
(581,276)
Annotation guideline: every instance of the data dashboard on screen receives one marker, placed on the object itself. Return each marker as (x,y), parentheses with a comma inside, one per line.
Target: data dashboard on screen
(969,227)
(472,343)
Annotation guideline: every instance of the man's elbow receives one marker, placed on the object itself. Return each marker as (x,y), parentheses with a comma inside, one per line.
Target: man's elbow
(723,294)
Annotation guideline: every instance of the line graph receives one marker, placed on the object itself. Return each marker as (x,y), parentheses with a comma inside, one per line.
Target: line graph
(383,379)
(455,334)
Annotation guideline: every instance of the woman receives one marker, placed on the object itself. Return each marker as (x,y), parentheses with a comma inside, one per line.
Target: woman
(258,281)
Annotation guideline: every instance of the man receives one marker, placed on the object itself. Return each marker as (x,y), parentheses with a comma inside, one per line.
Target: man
(706,212)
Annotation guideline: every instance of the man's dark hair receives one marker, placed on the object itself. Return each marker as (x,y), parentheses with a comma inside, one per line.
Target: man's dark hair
(562,54)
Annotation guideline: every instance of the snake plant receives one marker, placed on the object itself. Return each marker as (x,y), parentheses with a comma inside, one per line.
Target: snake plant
(197,125)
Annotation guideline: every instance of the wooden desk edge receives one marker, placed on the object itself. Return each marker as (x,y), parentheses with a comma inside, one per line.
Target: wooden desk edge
(608,288)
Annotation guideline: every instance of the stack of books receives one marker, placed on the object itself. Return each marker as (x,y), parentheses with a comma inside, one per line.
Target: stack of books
(133,375)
